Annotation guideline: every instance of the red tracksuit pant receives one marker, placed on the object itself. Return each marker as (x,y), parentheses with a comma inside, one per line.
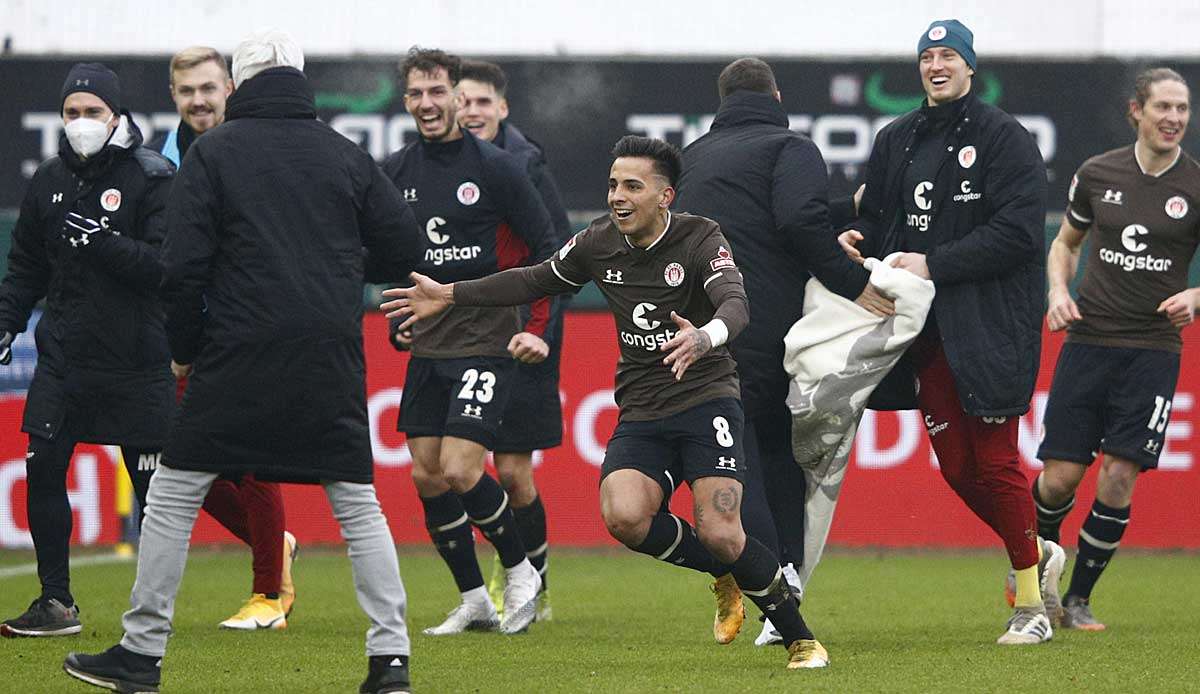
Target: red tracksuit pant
(978,455)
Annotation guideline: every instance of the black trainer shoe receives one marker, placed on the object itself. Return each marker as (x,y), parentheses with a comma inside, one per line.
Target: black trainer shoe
(45,617)
(117,669)
(386,674)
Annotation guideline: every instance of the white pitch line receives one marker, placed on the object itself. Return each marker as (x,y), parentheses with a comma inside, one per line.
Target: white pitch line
(91,560)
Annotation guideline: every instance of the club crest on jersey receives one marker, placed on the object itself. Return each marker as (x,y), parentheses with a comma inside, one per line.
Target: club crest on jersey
(724,259)
(966,156)
(673,274)
(1177,207)
(468,193)
(110,200)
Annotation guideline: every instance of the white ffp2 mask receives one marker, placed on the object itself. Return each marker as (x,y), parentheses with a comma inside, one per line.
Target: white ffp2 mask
(87,136)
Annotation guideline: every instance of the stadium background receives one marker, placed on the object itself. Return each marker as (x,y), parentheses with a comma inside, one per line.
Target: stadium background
(1067,87)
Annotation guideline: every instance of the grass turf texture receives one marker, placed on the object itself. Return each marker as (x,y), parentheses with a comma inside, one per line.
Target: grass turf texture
(623,622)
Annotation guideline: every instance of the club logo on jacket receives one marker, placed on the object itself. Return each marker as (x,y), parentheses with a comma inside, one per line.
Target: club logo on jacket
(724,259)
(1177,207)
(919,195)
(468,193)
(673,274)
(110,200)
(966,156)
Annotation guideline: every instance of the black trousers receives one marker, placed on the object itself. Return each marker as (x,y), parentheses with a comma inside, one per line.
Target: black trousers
(49,512)
(773,504)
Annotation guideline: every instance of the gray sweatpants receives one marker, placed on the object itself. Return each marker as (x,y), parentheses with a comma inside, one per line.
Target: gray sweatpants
(174,501)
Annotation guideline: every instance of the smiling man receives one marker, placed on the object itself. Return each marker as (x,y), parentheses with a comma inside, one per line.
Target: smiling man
(676,384)
(533,420)
(480,214)
(200,85)
(961,187)
(1115,378)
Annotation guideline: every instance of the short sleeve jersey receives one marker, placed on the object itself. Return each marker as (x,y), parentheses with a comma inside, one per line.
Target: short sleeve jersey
(642,287)
(1144,233)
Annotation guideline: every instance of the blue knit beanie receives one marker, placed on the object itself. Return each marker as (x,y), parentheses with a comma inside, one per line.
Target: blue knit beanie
(950,33)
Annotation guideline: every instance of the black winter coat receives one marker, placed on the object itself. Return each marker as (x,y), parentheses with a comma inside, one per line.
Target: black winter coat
(988,255)
(265,264)
(103,365)
(767,187)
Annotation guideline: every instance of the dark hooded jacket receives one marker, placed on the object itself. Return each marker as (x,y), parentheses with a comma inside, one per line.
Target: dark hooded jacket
(103,365)
(265,264)
(767,187)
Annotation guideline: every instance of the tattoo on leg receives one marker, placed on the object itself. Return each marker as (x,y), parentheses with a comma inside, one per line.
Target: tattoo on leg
(699,516)
(725,500)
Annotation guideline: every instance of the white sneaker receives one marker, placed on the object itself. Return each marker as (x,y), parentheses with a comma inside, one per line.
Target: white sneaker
(521,586)
(468,616)
(1051,574)
(769,634)
(1028,625)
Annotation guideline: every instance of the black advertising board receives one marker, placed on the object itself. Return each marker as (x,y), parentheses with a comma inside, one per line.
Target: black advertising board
(577,108)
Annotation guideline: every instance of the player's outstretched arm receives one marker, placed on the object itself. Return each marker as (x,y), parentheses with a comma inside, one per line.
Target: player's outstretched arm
(426,298)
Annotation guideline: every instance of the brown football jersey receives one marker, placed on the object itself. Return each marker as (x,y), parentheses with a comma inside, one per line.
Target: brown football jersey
(1144,232)
(689,269)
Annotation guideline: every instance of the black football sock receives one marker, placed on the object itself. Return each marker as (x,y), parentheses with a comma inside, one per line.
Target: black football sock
(1098,541)
(454,539)
(672,540)
(531,524)
(1050,518)
(487,505)
(758,574)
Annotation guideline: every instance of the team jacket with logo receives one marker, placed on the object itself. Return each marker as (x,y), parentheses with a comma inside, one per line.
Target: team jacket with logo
(1145,232)
(689,270)
(480,214)
(102,346)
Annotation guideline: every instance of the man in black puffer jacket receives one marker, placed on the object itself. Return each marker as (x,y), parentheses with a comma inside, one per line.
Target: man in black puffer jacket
(87,241)
(960,186)
(271,204)
(767,187)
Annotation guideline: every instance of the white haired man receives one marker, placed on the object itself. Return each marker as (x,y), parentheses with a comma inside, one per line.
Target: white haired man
(271,396)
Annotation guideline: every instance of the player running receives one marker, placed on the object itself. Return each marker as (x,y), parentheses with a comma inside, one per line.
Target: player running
(680,414)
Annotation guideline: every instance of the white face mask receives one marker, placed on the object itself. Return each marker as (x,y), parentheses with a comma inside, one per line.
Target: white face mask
(87,136)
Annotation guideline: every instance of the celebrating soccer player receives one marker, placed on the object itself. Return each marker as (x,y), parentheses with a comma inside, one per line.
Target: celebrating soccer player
(676,385)
(1116,375)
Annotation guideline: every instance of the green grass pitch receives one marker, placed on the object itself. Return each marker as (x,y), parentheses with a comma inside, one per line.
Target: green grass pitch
(892,621)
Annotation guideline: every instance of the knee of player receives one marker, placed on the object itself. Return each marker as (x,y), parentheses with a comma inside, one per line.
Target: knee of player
(1117,477)
(724,541)
(626,525)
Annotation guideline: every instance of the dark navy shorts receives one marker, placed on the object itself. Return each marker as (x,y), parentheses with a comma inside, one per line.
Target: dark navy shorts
(533,419)
(704,441)
(464,397)
(1111,399)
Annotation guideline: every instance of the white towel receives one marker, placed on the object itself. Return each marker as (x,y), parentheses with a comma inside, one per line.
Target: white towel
(836,355)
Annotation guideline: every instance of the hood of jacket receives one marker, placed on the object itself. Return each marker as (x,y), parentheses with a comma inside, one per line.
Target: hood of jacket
(745,108)
(280,92)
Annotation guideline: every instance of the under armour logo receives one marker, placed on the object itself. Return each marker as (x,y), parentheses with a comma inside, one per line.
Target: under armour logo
(82,83)
(613,276)
(81,241)
(1152,446)
(727,463)
(57,197)
(475,411)
(1112,196)
(410,195)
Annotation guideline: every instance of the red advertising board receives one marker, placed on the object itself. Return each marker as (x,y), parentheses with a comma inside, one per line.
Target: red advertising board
(893,495)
